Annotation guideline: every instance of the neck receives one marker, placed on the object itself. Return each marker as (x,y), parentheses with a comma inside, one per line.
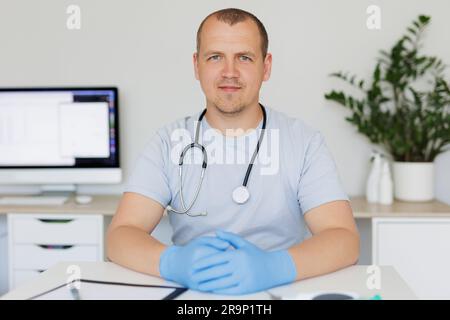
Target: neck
(234,124)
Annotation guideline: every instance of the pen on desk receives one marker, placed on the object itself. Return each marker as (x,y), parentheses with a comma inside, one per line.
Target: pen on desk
(75,293)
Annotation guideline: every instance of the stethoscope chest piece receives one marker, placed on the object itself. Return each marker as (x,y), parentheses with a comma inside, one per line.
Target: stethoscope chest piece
(241,195)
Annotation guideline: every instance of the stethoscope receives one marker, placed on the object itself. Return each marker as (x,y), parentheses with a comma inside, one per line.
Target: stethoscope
(240,195)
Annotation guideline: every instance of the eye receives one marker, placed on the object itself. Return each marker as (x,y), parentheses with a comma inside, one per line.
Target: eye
(214,57)
(245,58)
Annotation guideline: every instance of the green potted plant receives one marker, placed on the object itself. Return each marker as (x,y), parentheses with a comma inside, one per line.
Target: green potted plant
(405,109)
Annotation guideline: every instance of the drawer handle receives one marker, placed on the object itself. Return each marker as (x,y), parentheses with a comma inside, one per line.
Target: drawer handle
(56,220)
(52,246)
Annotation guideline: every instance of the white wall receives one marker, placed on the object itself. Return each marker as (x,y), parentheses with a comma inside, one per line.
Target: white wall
(145,48)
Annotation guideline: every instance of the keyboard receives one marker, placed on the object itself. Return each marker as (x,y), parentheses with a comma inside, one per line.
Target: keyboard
(33,200)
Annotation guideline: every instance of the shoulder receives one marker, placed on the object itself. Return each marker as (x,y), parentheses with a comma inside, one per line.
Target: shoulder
(180,128)
(175,127)
(292,128)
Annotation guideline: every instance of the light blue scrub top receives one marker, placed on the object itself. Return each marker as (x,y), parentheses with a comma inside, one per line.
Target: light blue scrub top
(293,173)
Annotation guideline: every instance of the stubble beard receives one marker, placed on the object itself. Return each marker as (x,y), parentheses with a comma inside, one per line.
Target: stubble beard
(229,107)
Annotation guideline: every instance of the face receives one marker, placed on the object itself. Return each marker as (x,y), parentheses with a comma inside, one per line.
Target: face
(230,65)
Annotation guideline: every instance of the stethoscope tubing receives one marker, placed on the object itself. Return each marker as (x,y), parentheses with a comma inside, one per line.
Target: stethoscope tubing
(196,144)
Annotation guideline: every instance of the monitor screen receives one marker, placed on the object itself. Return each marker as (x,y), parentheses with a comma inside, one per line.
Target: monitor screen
(59,128)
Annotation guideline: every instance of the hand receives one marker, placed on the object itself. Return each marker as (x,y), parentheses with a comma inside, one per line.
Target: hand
(176,261)
(244,270)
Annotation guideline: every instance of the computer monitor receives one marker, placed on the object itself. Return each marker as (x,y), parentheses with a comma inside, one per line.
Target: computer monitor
(59,136)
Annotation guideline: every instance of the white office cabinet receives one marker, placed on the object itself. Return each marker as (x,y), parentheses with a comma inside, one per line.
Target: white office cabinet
(419,249)
(39,241)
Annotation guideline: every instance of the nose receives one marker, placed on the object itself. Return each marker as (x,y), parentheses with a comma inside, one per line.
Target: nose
(230,70)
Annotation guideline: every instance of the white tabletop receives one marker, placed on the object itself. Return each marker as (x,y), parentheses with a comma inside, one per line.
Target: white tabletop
(351,279)
(107,205)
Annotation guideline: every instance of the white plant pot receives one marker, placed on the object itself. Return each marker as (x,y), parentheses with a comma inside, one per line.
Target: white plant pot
(413,181)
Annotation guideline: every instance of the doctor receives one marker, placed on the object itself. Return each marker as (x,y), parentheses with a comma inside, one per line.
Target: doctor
(237,228)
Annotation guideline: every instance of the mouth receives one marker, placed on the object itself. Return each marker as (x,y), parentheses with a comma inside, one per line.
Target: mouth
(229,88)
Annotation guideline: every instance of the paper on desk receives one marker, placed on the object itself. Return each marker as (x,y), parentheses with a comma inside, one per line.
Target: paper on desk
(100,291)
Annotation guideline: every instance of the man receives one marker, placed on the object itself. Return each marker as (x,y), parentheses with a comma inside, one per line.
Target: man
(222,245)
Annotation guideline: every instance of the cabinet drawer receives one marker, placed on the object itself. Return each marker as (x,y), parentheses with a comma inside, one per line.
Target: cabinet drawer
(35,229)
(41,257)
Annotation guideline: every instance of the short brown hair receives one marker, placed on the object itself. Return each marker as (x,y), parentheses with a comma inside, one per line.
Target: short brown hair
(232,16)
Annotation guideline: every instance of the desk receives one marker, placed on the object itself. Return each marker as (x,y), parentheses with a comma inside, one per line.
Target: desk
(353,279)
(388,237)
(107,205)
(399,209)
(101,204)
(414,237)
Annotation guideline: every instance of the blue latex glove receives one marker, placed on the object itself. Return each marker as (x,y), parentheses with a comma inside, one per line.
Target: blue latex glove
(244,270)
(176,262)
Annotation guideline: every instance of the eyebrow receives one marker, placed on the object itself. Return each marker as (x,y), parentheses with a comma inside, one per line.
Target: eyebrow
(245,53)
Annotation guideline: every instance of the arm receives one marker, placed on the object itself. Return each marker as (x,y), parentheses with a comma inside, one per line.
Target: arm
(129,242)
(334,243)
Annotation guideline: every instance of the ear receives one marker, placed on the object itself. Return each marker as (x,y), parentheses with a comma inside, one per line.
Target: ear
(267,66)
(195,61)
